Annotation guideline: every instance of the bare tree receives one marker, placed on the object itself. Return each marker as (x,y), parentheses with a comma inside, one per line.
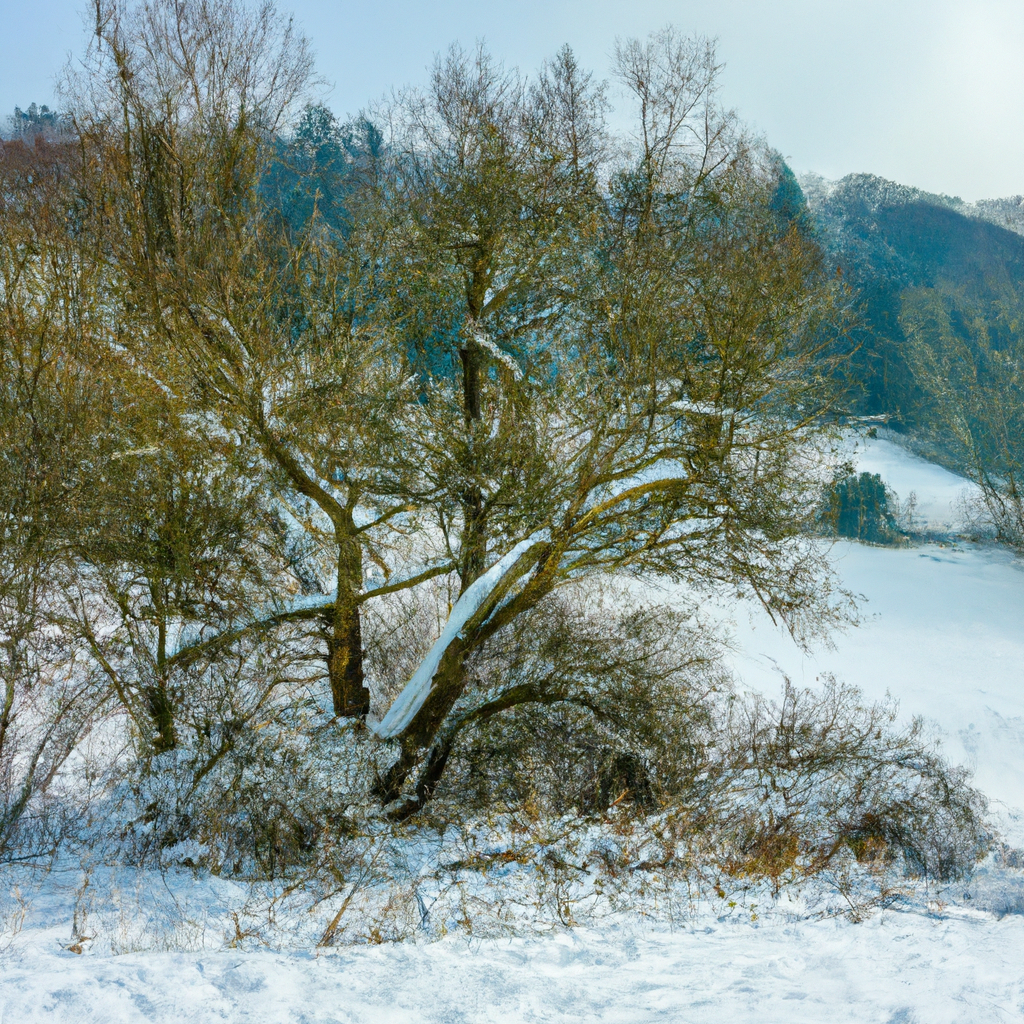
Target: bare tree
(530,354)
(50,414)
(639,354)
(176,551)
(242,316)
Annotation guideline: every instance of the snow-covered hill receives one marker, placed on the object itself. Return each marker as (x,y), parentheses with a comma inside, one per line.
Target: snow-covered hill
(940,499)
(942,633)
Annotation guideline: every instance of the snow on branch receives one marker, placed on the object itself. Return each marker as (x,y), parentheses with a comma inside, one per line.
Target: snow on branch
(500,354)
(416,691)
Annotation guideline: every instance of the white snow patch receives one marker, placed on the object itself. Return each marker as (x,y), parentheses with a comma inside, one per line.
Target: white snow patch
(416,691)
(895,968)
(500,354)
(943,635)
(940,495)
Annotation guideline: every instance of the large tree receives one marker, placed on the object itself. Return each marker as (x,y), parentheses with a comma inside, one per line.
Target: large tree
(250,317)
(519,353)
(635,355)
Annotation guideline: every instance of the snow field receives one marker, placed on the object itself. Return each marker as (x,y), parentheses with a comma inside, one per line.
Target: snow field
(894,969)
(942,631)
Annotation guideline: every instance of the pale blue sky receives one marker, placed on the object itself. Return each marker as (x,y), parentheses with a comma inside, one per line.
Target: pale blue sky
(928,92)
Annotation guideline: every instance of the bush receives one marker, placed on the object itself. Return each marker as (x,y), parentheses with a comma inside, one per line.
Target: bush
(805,781)
(643,718)
(634,748)
(622,703)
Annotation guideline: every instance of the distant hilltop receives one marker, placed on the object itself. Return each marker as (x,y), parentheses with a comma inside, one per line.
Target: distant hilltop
(927,274)
(874,192)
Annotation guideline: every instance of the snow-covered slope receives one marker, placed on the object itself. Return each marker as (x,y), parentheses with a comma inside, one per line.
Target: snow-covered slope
(942,633)
(940,498)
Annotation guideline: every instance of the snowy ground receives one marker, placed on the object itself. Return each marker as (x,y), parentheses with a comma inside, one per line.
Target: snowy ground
(943,633)
(939,496)
(893,969)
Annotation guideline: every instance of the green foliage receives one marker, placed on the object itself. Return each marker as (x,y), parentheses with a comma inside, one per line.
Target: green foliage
(940,345)
(788,202)
(313,174)
(858,507)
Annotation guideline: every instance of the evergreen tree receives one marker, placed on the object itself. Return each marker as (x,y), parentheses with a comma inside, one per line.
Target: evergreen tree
(858,507)
(34,121)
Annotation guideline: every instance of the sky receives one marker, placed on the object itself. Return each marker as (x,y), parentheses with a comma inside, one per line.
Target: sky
(929,93)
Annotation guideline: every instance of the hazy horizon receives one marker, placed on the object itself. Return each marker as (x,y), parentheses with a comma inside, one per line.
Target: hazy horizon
(923,93)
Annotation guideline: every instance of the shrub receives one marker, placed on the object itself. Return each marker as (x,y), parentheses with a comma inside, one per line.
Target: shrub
(805,781)
(622,702)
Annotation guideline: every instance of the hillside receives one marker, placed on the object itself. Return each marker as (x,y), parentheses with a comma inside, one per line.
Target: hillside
(903,250)
(1006,212)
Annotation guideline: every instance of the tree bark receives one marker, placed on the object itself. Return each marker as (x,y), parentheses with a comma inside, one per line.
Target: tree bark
(448,685)
(349,692)
(420,753)
(161,712)
(474,535)
(158,699)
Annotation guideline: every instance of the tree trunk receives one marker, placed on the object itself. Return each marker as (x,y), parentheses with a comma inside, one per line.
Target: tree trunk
(449,683)
(345,638)
(161,711)
(158,700)
(471,359)
(428,757)
(423,755)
